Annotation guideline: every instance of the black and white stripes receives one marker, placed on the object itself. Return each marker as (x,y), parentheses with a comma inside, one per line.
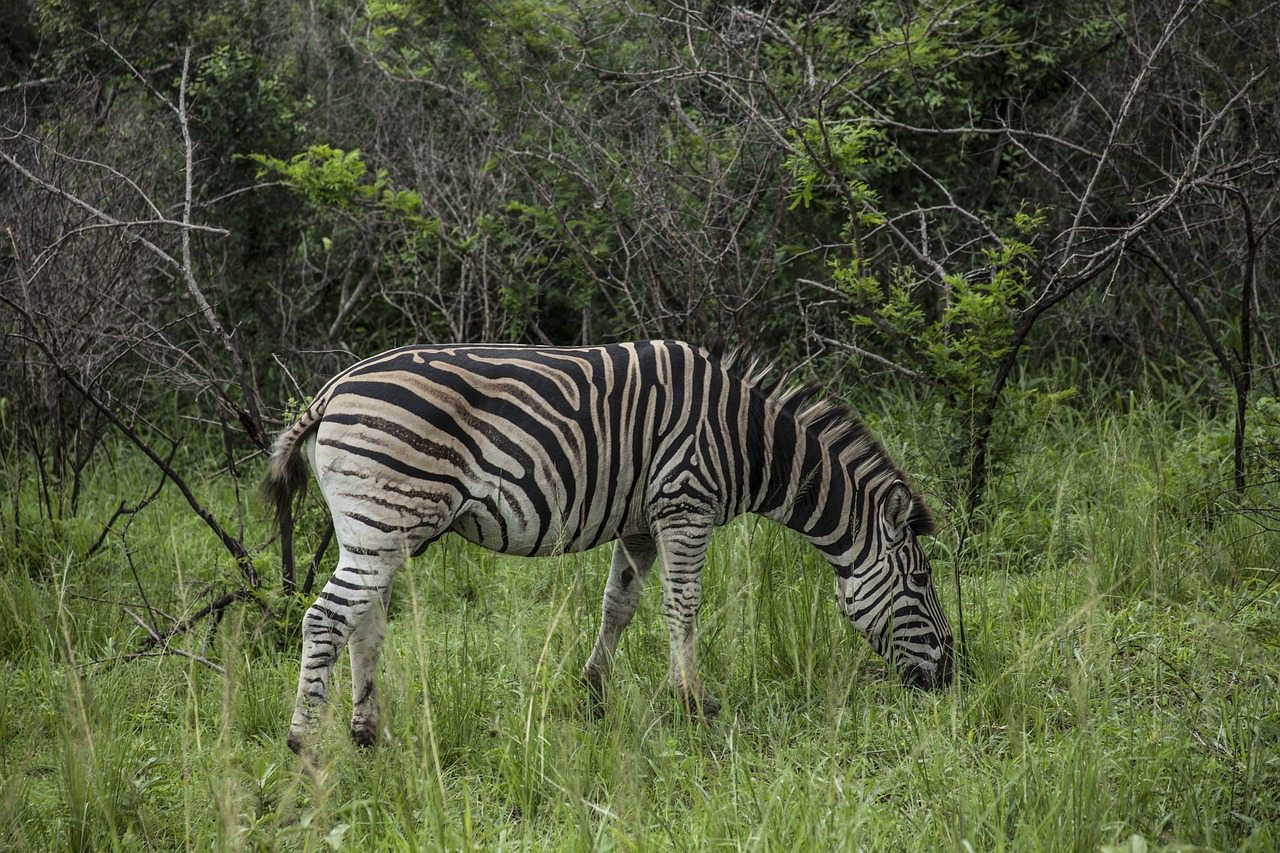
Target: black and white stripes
(540,450)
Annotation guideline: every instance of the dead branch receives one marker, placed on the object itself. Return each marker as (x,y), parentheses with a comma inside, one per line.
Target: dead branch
(214,607)
(239,553)
(122,510)
(163,642)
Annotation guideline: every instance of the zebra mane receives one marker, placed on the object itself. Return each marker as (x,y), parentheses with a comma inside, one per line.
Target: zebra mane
(833,423)
(806,400)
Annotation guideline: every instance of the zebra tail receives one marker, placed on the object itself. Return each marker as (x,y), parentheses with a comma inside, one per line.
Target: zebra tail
(287,475)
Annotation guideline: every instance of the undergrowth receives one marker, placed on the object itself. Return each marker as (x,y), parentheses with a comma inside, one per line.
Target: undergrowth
(1119,690)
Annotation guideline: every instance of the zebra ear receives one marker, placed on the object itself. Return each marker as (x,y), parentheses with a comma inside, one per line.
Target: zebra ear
(902,509)
(898,504)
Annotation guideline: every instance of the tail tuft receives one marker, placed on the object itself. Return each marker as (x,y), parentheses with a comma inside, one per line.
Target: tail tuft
(286,473)
(286,476)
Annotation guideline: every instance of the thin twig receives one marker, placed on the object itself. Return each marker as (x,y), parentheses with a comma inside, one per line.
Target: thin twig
(165,648)
(142,504)
(879,359)
(114,603)
(213,607)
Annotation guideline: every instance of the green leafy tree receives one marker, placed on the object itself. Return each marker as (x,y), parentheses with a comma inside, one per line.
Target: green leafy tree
(952,334)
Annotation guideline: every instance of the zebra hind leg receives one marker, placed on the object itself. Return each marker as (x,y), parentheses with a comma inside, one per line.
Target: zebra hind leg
(366,645)
(633,557)
(353,596)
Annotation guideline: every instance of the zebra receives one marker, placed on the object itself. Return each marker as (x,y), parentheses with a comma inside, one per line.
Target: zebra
(536,450)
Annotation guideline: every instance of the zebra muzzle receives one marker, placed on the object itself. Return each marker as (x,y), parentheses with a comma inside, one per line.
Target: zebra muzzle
(929,675)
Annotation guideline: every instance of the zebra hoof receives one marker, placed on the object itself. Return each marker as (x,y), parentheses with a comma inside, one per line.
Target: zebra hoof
(364,735)
(700,705)
(593,681)
(310,755)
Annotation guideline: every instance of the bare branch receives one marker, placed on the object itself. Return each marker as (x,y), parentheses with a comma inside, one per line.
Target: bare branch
(163,642)
(216,606)
(913,375)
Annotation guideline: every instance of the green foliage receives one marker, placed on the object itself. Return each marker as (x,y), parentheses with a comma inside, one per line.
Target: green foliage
(821,150)
(971,327)
(240,105)
(357,219)
(331,177)
(594,170)
(949,318)
(953,332)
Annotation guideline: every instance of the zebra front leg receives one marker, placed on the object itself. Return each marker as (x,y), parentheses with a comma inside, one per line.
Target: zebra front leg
(341,608)
(366,645)
(682,551)
(633,557)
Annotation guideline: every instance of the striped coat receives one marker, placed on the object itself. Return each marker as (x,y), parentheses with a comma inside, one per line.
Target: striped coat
(542,450)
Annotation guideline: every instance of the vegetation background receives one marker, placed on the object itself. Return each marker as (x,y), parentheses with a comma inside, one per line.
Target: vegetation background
(1033,243)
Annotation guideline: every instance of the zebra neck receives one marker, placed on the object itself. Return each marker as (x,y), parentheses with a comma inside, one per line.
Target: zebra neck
(812,493)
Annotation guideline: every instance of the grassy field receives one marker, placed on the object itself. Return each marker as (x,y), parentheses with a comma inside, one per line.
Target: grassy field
(1121,690)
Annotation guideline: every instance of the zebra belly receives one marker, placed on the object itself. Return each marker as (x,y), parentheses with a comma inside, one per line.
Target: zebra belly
(526,535)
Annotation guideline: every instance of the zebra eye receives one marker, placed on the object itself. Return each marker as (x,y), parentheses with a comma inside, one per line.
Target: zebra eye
(921,578)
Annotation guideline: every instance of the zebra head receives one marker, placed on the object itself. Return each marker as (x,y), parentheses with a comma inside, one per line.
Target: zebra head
(889,594)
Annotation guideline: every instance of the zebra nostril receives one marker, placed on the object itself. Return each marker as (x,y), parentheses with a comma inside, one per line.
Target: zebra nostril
(936,672)
(915,675)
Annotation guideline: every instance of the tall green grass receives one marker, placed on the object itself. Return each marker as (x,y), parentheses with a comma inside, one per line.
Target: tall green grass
(1121,689)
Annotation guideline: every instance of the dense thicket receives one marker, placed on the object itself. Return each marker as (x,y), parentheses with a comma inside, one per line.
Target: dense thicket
(208,206)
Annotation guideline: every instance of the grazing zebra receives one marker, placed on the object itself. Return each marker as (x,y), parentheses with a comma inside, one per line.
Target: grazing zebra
(545,450)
